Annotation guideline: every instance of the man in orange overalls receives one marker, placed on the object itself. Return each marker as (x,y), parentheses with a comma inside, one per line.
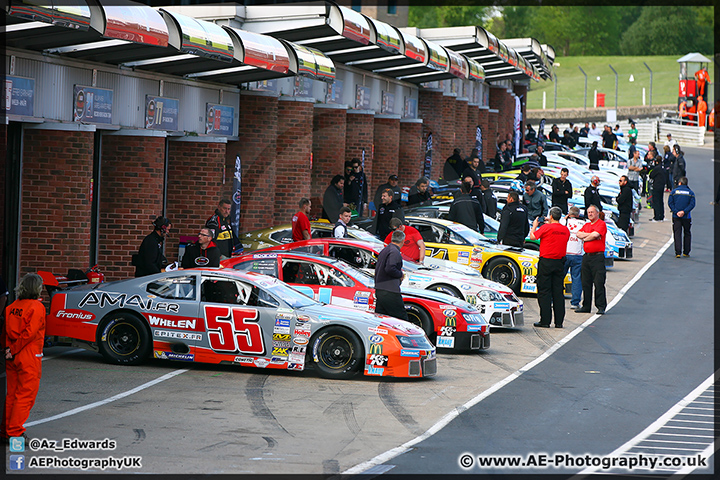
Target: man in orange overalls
(702,77)
(24,336)
(683,112)
(701,111)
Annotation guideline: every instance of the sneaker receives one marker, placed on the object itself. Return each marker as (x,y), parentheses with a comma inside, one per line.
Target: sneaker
(678,255)
(601,312)
(652,220)
(685,255)
(574,307)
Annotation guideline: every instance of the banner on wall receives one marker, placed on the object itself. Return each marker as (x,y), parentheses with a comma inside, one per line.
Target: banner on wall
(428,156)
(518,123)
(541,128)
(161,113)
(388,103)
(19,96)
(92,105)
(220,119)
(362,97)
(478,141)
(236,197)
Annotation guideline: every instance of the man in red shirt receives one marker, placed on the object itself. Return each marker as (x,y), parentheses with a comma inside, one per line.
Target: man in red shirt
(300,221)
(553,238)
(592,272)
(413,246)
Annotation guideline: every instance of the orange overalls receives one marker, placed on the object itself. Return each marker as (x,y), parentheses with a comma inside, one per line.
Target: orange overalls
(683,112)
(701,111)
(25,335)
(711,120)
(701,76)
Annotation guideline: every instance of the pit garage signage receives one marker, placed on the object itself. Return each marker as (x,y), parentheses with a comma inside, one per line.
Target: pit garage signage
(92,105)
(161,113)
(220,119)
(19,96)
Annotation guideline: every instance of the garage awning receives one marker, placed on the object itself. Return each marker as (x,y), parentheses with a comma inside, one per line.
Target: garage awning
(530,49)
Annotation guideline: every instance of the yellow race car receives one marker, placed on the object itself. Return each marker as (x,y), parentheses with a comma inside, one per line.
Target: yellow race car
(511,266)
(269,237)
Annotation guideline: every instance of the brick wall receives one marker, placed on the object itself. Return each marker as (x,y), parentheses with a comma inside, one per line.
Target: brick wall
(411,153)
(450,134)
(131,197)
(360,134)
(55,204)
(387,151)
(258,150)
(194,186)
(430,102)
(3,166)
(488,140)
(294,146)
(461,127)
(329,140)
(492,134)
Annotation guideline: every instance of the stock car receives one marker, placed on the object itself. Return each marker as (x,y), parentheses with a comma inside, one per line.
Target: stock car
(282,234)
(498,304)
(225,316)
(449,321)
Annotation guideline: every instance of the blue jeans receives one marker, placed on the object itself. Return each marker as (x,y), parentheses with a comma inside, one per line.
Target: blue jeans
(573,263)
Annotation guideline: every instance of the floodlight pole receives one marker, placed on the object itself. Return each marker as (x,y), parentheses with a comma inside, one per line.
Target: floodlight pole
(616,85)
(651,75)
(555,99)
(585,102)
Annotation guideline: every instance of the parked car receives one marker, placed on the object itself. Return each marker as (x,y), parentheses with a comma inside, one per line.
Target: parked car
(226,316)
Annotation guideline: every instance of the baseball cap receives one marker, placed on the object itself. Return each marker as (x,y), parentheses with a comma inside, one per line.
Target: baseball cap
(393,177)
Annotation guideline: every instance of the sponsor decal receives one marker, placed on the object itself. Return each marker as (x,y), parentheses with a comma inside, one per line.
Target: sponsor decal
(529,279)
(451,321)
(185,357)
(378,331)
(451,307)
(283,330)
(278,360)
(449,313)
(474,328)
(375,370)
(471,299)
(465,286)
(281,336)
(419,278)
(526,259)
(377,360)
(526,264)
(501,305)
(296,358)
(446,342)
(447,331)
(302,319)
(282,322)
(376,339)
(280,351)
(296,366)
(376,349)
(277,344)
(409,353)
(527,271)
(463,258)
(300,340)
(74,315)
(178,335)
(362,300)
(173,322)
(261,362)
(243,360)
(265,255)
(121,300)
(528,288)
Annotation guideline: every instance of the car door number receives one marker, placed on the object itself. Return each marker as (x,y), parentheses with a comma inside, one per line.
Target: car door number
(234,330)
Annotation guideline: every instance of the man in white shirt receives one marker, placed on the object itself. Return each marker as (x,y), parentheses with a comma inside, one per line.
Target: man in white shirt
(340,230)
(594,131)
(670,142)
(573,259)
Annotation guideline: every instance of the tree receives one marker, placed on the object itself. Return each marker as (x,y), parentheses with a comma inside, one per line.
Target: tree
(667,30)
(446,16)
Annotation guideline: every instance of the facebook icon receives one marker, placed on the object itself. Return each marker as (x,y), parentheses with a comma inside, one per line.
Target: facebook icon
(17,462)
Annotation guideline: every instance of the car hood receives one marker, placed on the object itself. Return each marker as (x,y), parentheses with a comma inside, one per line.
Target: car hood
(458,277)
(438,297)
(329,312)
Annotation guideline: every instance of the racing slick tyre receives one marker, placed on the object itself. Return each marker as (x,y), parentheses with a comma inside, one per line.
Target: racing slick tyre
(531,246)
(505,271)
(447,289)
(124,339)
(418,316)
(337,353)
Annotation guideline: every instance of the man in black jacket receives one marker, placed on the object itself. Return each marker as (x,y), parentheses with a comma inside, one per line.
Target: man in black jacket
(514,224)
(388,209)
(219,222)
(392,184)
(490,201)
(333,198)
(203,253)
(542,159)
(388,277)
(592,193)
(454,166)
(659,178)
(467,210)
(562,191)
(150,258)
(356,187)
(624,203)
(594,157)
(420,193)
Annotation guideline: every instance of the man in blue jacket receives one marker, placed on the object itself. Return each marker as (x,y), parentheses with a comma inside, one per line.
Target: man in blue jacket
(681,202)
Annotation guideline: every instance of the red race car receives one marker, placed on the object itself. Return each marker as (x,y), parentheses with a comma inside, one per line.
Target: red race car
(447,321)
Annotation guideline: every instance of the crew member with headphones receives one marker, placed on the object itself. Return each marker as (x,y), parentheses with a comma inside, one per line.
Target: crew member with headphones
(150,258)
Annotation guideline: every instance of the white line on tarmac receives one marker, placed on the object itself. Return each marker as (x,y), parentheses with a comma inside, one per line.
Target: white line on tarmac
(108,400)
(450,416)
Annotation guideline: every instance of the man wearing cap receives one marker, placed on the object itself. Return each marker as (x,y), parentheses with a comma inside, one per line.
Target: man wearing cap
(592,193)
(392,184)
(670,142)
(150,258)
(413,246)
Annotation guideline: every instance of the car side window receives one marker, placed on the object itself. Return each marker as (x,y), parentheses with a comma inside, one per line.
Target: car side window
(320,233)
(216,290)
(175,288)
(282,236)
(254,296)
(349,254)
(299,272)
(427,232)
(267,266)
(316,249)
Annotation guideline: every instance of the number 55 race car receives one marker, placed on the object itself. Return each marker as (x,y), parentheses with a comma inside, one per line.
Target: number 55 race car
(232,317)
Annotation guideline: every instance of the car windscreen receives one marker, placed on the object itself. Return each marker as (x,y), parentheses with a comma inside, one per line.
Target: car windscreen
(284,292)
(353,272)
(471,236)
(361,234)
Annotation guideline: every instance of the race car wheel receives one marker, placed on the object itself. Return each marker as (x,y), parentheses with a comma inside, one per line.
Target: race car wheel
(531,246)
(337,353)
(124,339)
(418,316)
(447,289)
(505,271)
